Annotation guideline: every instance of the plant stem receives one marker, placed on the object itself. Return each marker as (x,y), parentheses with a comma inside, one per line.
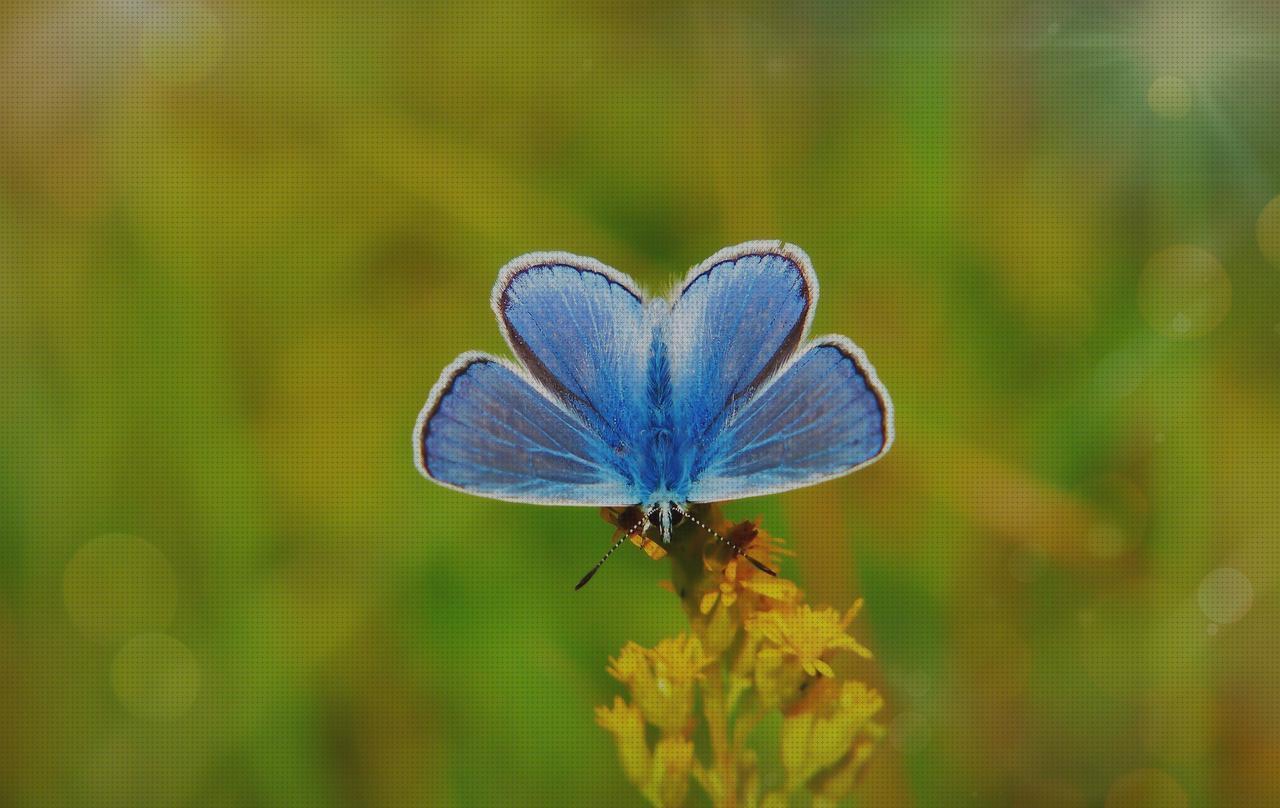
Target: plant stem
(743,726)
(721,749)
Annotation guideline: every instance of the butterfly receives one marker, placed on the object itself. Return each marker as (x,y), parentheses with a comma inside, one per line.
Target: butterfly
(621,399)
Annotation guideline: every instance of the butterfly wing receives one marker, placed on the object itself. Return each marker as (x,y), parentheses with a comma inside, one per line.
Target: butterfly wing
(486,429)
(579,327)
(737,318)
(824,415)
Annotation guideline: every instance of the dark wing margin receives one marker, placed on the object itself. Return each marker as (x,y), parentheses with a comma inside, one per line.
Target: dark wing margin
(739,316)
(579,328)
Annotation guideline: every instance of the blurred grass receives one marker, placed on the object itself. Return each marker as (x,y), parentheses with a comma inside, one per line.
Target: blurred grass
(238,241)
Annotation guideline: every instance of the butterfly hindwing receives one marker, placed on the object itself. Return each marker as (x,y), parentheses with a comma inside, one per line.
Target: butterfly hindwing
(825,415)
(735,320)
(579,328)
(487,430)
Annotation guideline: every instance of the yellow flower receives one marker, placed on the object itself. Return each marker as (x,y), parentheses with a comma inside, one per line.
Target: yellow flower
(837,782)
(662,678)
(824,728)
(669,779)
(650,547)
(807,634)
(779,589)
(775,681)
(627,726)
(766,650)
(662,774)
(740,576)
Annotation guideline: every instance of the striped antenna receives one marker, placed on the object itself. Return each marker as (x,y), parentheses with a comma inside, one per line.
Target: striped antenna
(736,549)
(615,546)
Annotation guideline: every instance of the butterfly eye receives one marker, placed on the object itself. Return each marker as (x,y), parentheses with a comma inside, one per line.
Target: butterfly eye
(676,517)
(654,515)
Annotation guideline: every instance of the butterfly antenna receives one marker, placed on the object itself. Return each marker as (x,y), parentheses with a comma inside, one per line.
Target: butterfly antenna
(735,548)
(600,563)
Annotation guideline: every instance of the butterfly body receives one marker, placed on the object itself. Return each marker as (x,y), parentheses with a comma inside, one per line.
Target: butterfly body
(706,395)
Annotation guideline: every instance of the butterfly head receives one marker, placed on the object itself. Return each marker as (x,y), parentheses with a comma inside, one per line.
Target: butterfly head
(664,516)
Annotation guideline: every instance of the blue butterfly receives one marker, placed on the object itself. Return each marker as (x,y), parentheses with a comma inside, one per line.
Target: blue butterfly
(621,399)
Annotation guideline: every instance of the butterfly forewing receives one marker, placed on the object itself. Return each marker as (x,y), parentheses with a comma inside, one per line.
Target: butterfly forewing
(579,328)
(737,318)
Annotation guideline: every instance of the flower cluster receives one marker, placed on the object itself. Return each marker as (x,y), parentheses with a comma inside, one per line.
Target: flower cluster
(754,648)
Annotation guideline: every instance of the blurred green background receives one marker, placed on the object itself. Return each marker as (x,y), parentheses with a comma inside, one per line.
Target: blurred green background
(238,242)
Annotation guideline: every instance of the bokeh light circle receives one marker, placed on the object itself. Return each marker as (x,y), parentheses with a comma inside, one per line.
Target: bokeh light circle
(1169,97)
(1184,292)
(1269,231)
(117,585)
(1146,788)
(155,676)
(1225,595)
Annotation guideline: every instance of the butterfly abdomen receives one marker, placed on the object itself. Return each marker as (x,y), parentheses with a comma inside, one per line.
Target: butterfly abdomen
(660,467)
(659,379)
